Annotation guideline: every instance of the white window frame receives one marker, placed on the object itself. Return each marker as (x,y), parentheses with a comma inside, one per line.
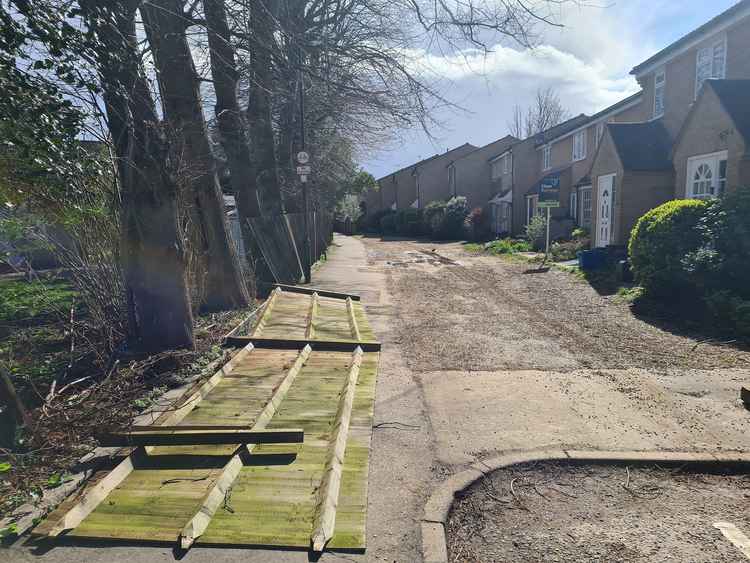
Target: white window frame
(717,68)
(579,146)
(506,164)
(599,132)
(659,92)
(587,196)
(718,183)
(497,169)
(574,205)
(546,157)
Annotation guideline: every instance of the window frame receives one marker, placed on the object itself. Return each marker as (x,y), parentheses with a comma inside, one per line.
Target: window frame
(579,146)
(709,54)
(587,191)
(546,157)
(663,88)
(718,182)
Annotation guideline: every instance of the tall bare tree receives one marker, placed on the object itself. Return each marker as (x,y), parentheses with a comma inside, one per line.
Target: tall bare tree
(152,251)
(165,23)
(545,111)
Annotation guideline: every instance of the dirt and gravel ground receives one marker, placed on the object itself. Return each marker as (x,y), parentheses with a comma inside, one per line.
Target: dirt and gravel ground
(486,313)
(551,512)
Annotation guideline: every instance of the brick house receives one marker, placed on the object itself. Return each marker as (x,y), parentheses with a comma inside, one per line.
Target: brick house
(416,185)
(712,151)
(627,180)
(470,175)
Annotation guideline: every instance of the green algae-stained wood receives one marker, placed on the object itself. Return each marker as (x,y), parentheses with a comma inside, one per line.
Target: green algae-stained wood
(288,319)
(157,498)
(275,504)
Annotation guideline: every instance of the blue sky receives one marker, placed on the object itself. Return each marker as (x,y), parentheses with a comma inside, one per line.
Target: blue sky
(587,62)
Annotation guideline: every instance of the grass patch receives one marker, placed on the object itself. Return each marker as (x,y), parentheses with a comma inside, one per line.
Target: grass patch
(501,247)
(21,300)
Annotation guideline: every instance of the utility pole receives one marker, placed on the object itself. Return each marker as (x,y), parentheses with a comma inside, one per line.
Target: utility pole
(303,159)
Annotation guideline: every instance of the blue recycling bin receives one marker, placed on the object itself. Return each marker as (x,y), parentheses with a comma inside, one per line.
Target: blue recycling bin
(592,259)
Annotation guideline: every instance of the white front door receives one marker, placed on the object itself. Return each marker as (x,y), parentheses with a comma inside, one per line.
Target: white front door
(604,211)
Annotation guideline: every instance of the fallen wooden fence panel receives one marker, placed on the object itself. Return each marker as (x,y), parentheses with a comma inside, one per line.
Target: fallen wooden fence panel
(237,489)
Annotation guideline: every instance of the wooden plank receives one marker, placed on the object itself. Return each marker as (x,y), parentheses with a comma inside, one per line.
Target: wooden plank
(353,320)
(321,292)
(265,315)
(292,343)
(201,519)
(310,329)
(325,512)
(91,497)
(204,435)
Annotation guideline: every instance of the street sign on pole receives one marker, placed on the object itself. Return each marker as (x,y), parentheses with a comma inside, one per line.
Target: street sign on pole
(303,157)
(303,170)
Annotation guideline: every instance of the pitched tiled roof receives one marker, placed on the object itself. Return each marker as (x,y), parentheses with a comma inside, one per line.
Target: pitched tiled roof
(707,27)
(734,96)
(642,146)
(425,160)
(561,129)
(501,144)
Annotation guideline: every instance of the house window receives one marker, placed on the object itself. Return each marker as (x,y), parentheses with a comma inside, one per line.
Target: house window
(707,175)
(711,62)
(497,169)
(586,206)
(506,163)
(574,205)
(579,146)
(531,208)
(599,133)
(547,157)
(660,81)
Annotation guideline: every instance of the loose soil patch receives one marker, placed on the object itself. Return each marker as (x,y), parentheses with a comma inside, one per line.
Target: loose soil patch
(546,512)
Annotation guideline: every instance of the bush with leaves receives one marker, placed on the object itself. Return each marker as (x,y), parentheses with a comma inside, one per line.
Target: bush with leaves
(477,225)
(507,246)
(409,222)
(536,231)
(444,220)
(659,243)
(388,224)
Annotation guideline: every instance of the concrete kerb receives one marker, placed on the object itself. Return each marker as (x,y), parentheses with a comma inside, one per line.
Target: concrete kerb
(437,509)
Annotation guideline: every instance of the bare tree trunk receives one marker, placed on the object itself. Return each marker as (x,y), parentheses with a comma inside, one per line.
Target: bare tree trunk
(152,251)
(165,27)
(259,107)
(232,126)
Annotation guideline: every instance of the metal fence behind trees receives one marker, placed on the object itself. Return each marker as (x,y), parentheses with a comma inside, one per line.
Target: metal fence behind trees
(281,239)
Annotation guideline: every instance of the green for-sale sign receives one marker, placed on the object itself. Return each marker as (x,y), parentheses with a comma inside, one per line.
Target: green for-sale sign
(549,192)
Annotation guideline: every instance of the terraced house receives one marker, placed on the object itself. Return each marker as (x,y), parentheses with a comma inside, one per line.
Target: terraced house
(418,184)
(691,138)
(565,153)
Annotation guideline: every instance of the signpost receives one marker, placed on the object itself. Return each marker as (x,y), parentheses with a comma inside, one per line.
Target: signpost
(549,197)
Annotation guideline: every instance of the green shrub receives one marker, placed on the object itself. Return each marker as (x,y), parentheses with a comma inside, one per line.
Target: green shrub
(659,243)
(507,246)
(536,231)
(580,233)
(562,251)
(477,224)
(729,312)
(388,224)
(723,260)
(409,222)
(444,220)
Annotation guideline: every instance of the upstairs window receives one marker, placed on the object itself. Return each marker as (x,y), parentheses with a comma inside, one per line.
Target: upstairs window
(579,146)
(497,169)
(599,133)
(711,62)
(660,81)
(547,157)
(506,163)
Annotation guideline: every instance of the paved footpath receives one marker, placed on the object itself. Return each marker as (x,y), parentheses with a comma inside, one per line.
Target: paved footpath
(434,418)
